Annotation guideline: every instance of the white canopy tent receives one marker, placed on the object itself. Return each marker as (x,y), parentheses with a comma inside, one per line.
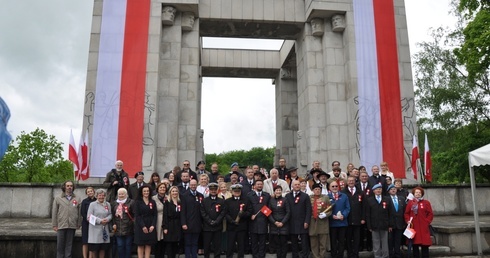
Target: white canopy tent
(477,157)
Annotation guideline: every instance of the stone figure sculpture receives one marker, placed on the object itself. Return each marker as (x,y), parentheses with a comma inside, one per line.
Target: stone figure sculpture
(316,27)
(188,21)
(338,23)
(168,15)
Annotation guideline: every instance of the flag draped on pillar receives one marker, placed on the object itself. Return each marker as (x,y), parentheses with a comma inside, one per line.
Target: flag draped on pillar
(83,158)
(427,161)
(120,86)
(380,114)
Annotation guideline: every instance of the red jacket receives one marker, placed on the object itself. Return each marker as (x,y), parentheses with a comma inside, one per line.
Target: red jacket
(420,221)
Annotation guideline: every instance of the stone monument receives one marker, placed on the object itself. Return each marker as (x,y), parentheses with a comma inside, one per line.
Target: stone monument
(341,78)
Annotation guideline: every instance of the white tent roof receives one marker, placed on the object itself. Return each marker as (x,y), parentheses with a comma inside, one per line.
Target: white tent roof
(480,156)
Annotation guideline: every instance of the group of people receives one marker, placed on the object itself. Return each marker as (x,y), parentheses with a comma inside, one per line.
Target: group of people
(201,212)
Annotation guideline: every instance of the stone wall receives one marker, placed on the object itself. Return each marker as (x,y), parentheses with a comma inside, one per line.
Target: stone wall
(35,200)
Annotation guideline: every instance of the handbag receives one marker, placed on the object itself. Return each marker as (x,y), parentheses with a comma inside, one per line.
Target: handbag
(409,232)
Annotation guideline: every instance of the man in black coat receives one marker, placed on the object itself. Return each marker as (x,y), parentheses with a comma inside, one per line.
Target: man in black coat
(282,169)
(355,218)
(248,181)
(213,211)
(134,187)
(238,211)
(398,221)
(300,220)
(258,221)
(186,167)
(190,218)
(376,178)
(184,184)
(378,220)
(365,187)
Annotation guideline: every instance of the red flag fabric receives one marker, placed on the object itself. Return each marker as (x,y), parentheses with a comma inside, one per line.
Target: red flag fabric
(83,172)
(427,161)
(266,211)
(72,154)
(415,157)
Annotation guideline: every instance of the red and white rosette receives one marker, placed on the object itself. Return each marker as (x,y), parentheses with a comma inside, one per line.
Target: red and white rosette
(384,205)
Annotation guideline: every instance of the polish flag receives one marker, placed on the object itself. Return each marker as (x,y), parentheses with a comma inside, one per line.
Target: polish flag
(378,85)
(415,156)
(117,132)
(266,211)
(427,161)
(72,154)
(83,160)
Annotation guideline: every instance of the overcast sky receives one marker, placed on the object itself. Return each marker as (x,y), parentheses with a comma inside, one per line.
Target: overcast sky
(43,62)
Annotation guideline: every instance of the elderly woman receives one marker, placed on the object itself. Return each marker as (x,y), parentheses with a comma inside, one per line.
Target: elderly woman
(160,198)
(99,215)
(90,192)
(122,223)
(145,222)
(172,228)
(278,221)
(419,214)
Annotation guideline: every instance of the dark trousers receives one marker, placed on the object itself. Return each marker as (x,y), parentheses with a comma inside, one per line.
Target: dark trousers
(172,249)
(394,242)
(237,237)
(353,239)
(160,249)
(258,245)
(305,245)
(64,244)
(280,243)
(337,237)
(425,251)
(212,243)
(366,238)
(191,240)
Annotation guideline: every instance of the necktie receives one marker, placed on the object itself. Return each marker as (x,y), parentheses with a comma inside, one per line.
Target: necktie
(258,193)
(378,197)
(352,190)
(185,186)
(139,185)
(395,201)
(250,182)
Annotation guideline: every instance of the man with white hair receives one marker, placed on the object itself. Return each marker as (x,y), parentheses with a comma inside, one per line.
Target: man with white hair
(274,181)
(115,179)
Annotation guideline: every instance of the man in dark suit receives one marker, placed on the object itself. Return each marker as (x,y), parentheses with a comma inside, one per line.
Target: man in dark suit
(365,188)
(248,182)
(213,211)
(282,169)
(258,221)
(186,167)
(376,178)
(134,187)
(300,220)
(378,220)
(190,218)
(184,185)
(238,211)
(396,214)
(355,218)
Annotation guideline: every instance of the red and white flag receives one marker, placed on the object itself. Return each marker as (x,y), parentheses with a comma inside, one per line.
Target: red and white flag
(72,154)
(83,172)
(427,161)
(415,156)
(266,211)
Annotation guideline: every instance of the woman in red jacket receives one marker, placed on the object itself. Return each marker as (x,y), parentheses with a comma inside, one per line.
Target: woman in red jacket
(419,211)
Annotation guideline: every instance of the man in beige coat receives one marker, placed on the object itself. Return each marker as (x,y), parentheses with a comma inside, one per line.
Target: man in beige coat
(66,219)
(273,181)
(319,225)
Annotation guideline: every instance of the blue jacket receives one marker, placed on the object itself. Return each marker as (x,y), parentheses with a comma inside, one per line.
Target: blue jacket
(342,205)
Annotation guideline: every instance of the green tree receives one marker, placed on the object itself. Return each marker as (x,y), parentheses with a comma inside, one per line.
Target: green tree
(35,157)
(453,92)
(255,156)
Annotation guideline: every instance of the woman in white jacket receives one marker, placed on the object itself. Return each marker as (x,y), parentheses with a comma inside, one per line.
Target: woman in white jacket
(99,215)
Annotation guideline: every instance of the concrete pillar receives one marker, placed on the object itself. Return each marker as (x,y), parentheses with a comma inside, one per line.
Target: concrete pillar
(169,96)
(311,97)
(286,116)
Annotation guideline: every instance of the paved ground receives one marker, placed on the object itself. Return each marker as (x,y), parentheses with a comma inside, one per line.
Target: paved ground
(35,228)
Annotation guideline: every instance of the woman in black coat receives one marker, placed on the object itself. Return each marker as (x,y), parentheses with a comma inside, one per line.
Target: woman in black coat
(172,228)
(278,226)
(90,192)
(145,221)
